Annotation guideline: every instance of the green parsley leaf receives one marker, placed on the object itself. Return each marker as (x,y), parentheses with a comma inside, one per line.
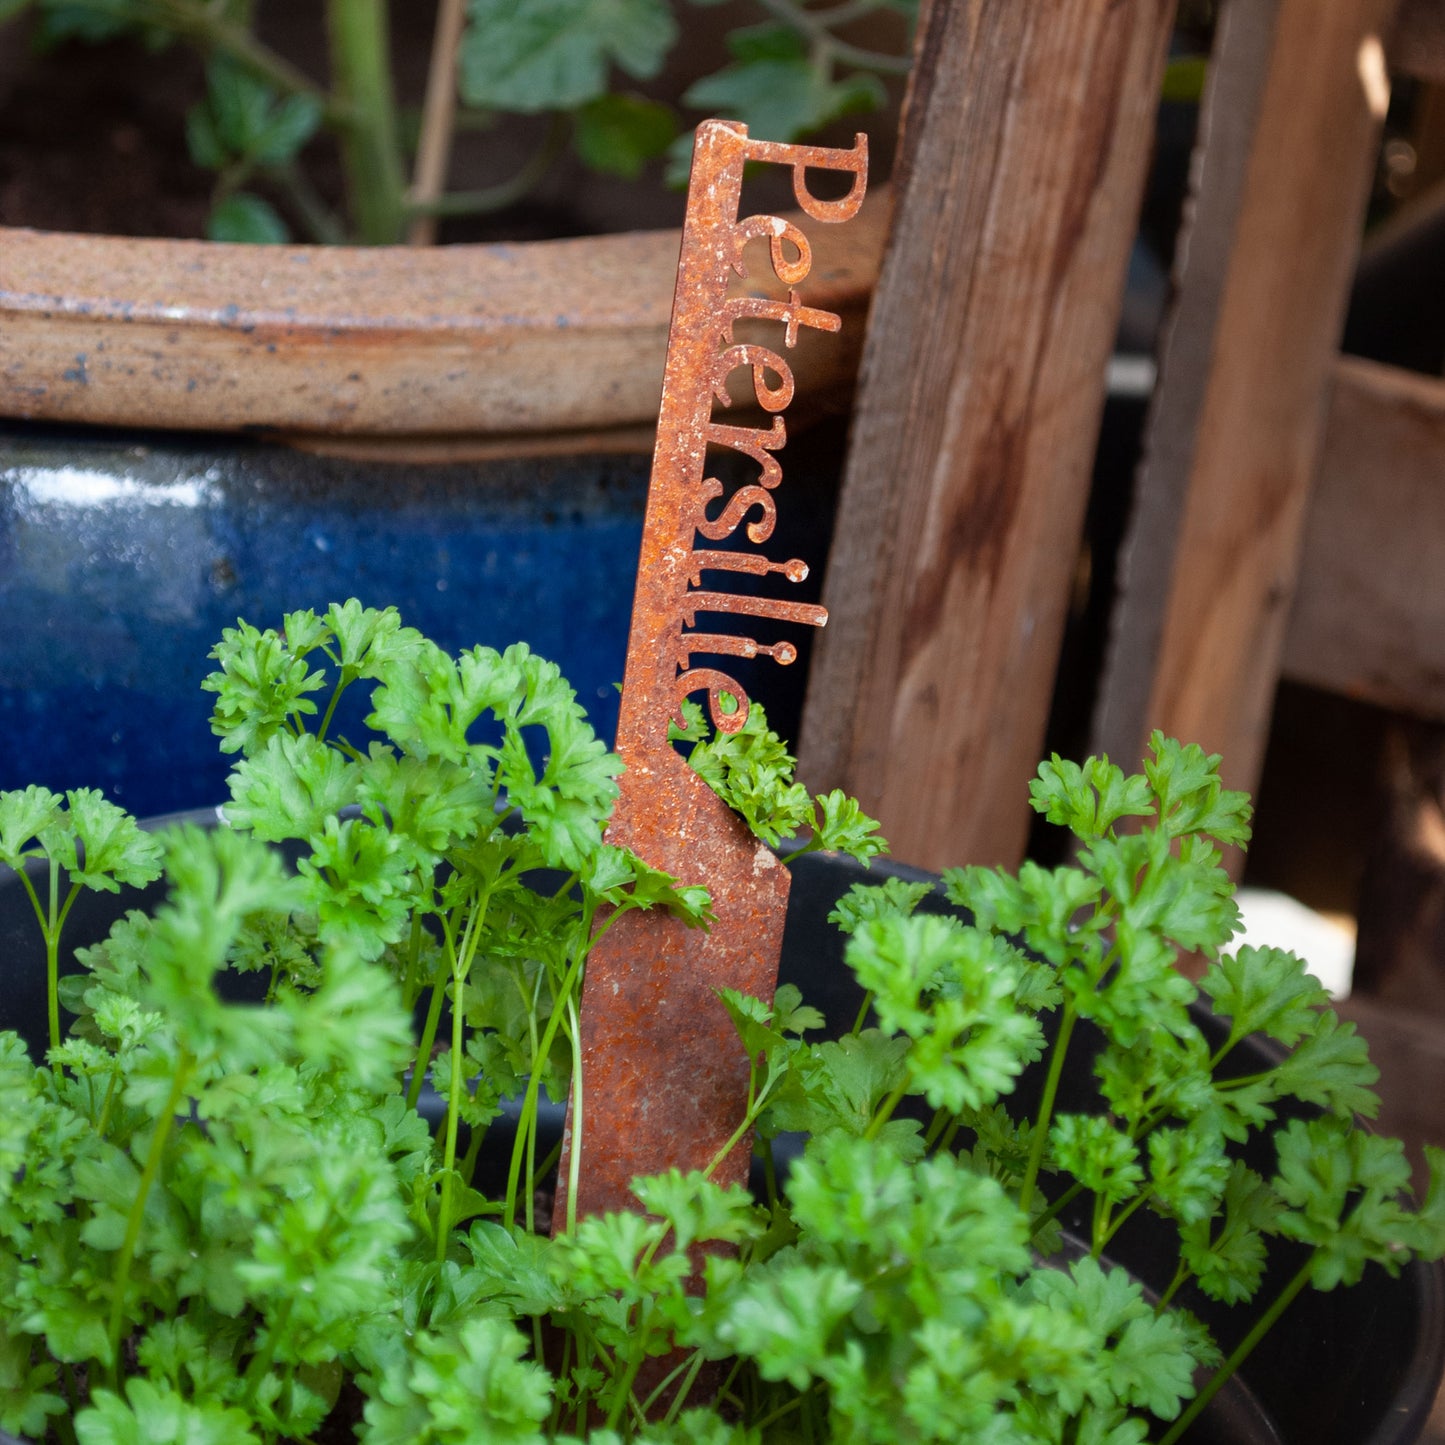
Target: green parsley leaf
(863,901)
(261,688)
(1265,990)
(1089,799)
(152,1414)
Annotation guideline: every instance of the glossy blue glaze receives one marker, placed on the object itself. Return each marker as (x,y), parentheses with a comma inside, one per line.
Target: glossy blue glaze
(121,560)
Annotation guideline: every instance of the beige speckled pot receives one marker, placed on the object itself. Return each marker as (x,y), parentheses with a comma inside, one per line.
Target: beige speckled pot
(451,349)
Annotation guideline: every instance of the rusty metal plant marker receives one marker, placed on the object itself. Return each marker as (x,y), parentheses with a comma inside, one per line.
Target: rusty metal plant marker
(665,1075)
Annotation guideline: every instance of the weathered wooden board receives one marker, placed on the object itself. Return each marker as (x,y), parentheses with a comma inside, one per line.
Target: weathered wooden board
(1368,618)
(1212,557)
(523,339)
(1017,196)
(1229,118)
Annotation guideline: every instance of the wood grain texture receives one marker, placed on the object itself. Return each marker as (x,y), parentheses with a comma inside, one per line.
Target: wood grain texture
(1025,145)
(1229,117)
(451,341)
(1368,618)
(1256,407)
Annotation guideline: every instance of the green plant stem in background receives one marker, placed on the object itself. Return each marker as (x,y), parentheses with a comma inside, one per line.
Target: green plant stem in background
(505,193)
(136,1216)
(438,119)
(527,1117)
(818,26)
(52,921)
(454,1113)
(214,31)
(361,62)
(1241,1352)
(428,1038)
(315,215)
(1046,1107)
(574,1159)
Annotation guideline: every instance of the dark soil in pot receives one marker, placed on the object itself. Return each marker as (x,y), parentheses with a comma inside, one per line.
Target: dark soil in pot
(1348,1367)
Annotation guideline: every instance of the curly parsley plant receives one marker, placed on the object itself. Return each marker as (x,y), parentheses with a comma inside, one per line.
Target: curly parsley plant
(228,1222)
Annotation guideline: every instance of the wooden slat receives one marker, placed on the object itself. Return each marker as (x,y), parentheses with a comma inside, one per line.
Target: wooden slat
(1368,618)
(983,377)
(1210,563)
(460,340)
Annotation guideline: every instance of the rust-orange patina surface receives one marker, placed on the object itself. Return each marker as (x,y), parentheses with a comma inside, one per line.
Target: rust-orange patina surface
(665,1075)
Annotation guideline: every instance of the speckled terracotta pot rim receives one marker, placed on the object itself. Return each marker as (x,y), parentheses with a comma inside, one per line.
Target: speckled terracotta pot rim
(446,346)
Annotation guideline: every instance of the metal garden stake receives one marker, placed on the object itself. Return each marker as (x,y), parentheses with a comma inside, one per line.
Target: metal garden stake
(665,1075)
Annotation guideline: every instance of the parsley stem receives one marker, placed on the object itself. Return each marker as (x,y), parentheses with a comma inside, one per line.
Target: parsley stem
(794,1402)
(462,960)
(342,684)
(949,1135)
(885,1110)
(546,1166)
(1180,1275)
(689,1365)
(410,987)
(749,1119)
(534,1084)
(1099,1229)
(862,1013)
(428,1038)
(1046,1106)
(474,1148)
(63,1424)
(624,1387)
(103,1123)
(574,1160)
(52,956)
(1115,1225)
(1242,1351)
(433,1017)
(770,1172)
(936,1126)
(184,1064)
(1057,1207)
(454,1109)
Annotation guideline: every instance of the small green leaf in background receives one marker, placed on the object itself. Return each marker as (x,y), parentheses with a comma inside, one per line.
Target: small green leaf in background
(10,8)
(243,119)
(25,815)
(537,55)
(113,850)
(864,901)
(843,827)
(246,217)
(152,1414)
(618,134)
(89,20)
(777,91)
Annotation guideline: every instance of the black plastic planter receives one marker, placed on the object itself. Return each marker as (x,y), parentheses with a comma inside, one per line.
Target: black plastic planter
(1350,1367)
